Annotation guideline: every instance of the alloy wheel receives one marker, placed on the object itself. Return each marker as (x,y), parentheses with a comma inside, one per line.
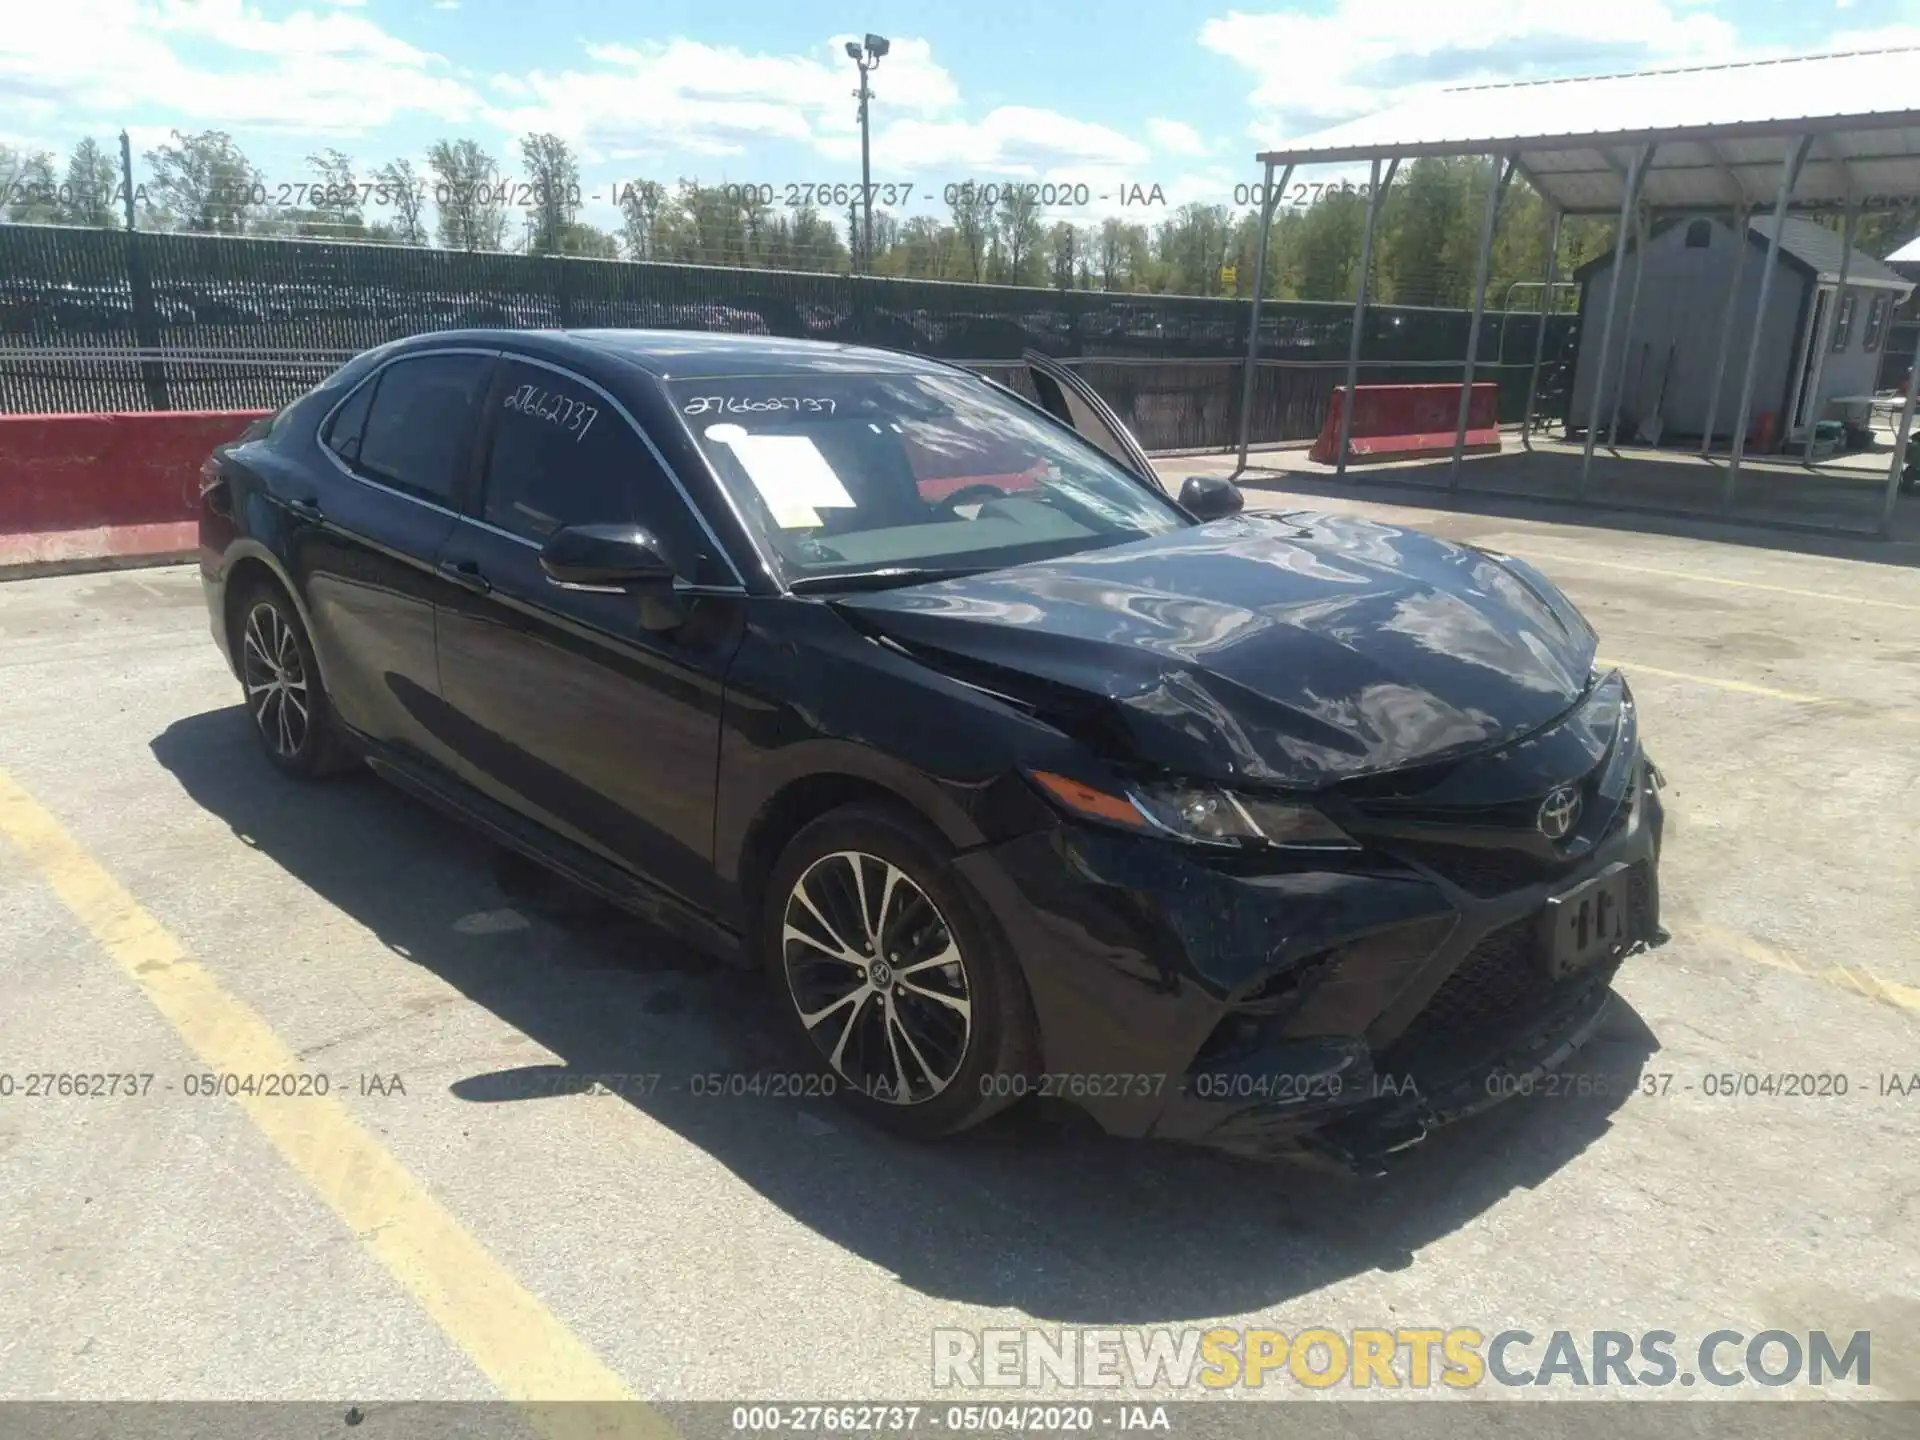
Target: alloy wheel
(877,977)
(275,679)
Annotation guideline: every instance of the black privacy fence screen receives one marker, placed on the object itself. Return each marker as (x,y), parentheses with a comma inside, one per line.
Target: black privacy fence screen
(96,320)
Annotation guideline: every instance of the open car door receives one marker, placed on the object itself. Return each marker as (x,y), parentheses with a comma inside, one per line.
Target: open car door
(1072,401)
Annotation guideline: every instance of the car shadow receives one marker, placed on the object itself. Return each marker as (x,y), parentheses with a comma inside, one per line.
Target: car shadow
(1029,1211)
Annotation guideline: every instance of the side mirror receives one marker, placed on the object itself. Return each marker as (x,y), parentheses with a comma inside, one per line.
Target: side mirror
(604,557)
(1209,497)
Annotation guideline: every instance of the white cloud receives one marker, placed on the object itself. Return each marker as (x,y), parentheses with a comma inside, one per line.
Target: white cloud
(1315,69)
(1175,137)
(688,98)
(1886,37)
(1013,140)
(702,99)
(221,63)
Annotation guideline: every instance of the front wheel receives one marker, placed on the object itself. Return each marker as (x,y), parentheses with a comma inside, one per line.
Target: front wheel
(901,991)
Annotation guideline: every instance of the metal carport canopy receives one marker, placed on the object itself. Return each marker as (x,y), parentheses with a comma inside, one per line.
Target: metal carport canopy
(1721,130)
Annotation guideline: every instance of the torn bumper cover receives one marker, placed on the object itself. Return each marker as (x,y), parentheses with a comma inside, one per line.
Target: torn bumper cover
(1333,1013)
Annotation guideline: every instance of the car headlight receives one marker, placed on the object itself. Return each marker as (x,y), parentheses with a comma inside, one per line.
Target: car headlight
(1200,814)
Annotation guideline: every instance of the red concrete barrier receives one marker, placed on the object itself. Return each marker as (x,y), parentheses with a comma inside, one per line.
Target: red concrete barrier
(1400,422)
(109,486)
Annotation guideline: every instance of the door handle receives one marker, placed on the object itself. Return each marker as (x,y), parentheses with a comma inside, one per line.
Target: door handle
(308,510)
(466,574)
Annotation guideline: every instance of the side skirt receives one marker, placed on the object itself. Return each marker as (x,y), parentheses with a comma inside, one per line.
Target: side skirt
(610,882)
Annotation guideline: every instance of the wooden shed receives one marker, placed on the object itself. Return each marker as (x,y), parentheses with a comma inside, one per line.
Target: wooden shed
(1662,380)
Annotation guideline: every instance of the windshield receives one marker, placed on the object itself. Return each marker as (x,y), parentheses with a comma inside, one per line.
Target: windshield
(852,473)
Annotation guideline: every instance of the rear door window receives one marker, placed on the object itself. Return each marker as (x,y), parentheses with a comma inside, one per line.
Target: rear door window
(420,424)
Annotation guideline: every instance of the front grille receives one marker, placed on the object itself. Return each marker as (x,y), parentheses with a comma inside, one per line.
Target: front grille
(1480,871)
(1488,871)
(1502,980)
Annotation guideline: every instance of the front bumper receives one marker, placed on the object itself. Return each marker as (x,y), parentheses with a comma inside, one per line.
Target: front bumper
(1346,1012)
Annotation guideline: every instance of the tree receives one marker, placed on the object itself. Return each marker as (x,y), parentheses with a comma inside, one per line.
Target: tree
(972,222)
(580,238)
(204,183)
(1111,249)
(1017,234)
(335,196)
(1419,263)
(553,181)
(468,194)
(88,193)
(1325,246)
(398,189)
(28,195)
(886,235)
(804,240)
(715,229)
(642,206)
(1193,246)
(920,249)
(1063,254)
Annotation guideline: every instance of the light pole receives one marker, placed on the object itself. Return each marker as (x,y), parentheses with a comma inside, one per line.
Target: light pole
(868,59)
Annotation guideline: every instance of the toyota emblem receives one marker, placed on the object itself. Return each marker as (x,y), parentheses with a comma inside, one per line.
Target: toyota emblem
(1559,812)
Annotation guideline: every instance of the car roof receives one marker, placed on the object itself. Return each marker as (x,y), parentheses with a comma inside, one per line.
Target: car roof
(695,354)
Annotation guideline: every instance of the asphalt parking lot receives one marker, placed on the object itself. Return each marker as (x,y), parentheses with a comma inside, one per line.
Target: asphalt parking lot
(468,1218)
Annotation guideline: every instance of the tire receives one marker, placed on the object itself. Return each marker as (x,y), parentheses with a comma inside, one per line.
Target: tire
(277,670)
(968,1024)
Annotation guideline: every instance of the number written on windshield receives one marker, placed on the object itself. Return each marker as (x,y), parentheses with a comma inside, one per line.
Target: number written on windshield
(741,405)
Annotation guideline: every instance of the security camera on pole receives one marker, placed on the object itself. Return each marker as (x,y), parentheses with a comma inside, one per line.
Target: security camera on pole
(867,59)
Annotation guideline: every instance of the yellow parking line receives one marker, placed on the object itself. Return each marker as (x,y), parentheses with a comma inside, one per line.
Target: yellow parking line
(1534,554)
(504,1329)
(1858,979)
(1797,697)
(1635,667)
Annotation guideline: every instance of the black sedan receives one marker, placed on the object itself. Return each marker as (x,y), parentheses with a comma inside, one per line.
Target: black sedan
(1282,832)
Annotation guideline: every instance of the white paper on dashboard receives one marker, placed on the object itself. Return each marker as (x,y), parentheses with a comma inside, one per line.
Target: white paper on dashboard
(792,476)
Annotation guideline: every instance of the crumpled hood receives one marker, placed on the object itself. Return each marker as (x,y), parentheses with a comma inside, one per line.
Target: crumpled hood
(1295,650)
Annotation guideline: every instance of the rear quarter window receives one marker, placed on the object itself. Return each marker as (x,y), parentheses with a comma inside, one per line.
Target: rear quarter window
(421,421)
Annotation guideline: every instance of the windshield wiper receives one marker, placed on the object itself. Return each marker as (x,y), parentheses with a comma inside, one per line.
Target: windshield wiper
(884,578)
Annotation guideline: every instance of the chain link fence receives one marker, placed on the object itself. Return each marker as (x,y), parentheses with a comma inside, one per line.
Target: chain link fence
(104,320)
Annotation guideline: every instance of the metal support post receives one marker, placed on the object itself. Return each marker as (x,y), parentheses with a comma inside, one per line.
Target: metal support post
(1626,343)
(1824,340)
(1902,433)
(1269,201)
(1540,335)
(1376,200)
(1789,175)
(1629,197)
(1742,240)
(1502,172)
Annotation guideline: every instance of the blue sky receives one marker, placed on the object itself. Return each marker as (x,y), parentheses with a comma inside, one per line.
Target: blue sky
(1175,92)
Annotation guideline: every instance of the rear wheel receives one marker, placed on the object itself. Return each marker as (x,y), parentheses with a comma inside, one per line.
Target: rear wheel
(280,682)
(900,990)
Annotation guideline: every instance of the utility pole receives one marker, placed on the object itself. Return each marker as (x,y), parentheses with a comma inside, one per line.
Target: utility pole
(868,59)
(126,175)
